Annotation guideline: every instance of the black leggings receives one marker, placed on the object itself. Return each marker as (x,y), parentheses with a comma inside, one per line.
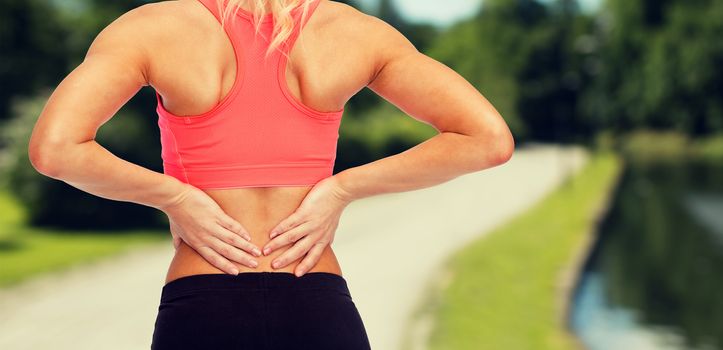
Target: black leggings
(259,311)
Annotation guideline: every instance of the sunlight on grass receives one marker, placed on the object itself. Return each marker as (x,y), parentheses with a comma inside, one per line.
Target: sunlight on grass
(26,252)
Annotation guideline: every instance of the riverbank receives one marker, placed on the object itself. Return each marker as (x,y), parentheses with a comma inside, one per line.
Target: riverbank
(661,236)
(503,291)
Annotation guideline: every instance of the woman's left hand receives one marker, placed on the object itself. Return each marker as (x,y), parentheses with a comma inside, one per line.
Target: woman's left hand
(311,227)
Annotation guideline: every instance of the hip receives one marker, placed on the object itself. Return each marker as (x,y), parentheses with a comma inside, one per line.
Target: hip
(259,310)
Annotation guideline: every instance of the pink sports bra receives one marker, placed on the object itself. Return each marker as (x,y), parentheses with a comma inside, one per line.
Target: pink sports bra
(259,135)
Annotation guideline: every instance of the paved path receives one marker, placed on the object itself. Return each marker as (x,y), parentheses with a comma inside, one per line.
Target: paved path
(112,304)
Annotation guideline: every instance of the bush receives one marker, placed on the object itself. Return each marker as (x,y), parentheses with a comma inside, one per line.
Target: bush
(649,146)
(710,148)
(50,202)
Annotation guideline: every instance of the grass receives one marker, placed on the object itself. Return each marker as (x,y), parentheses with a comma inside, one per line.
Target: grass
(503,289)
(27,252)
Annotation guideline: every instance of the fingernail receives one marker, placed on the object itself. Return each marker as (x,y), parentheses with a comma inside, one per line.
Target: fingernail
(298,274)
(273,234)
(254,263)
(275,264)
(266,251)
(234,271)
(257,252)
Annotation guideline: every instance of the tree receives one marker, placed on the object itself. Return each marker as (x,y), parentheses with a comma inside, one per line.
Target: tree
(32,49)
(661,65)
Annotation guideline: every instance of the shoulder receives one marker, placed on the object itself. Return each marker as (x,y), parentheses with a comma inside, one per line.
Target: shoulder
(148,17)
(135,35)
(147,25)
(365,34)
(354,21)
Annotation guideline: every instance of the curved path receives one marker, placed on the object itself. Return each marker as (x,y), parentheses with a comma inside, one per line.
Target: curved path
(112,304)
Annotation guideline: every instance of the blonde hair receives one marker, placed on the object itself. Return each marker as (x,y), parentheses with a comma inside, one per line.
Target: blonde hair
(281,12)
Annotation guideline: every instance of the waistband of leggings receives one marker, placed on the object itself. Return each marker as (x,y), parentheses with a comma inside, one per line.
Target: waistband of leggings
(263,280)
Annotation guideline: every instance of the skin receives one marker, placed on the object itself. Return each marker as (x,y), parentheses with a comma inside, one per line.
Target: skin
(216,230)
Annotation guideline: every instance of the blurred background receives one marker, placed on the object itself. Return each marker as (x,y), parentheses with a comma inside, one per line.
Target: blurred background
(637,83)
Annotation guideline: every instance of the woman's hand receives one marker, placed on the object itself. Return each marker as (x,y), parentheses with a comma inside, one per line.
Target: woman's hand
(311,227)
(198,220)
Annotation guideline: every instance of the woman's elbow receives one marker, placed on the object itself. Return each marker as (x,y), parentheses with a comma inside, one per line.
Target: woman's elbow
(45,157)
(498,145)
(506,146)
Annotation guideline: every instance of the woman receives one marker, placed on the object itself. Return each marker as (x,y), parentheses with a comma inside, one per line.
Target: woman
(249,124)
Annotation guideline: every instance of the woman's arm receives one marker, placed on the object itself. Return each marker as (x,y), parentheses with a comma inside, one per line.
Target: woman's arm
(63,146)
(473,136)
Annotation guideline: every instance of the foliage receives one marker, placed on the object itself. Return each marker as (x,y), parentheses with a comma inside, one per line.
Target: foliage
(51,202)
(527,59)
(558,74)
(32,49)
(660,66)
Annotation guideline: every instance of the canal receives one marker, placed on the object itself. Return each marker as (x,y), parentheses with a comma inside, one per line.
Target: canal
(654,279)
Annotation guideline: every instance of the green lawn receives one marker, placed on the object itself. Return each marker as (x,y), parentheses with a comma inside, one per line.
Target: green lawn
(503,291)
(27,252)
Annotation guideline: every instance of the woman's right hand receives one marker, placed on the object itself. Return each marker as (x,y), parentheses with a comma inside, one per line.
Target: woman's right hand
(199,221)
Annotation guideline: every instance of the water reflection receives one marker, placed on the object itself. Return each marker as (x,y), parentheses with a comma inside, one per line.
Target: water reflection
(655,277)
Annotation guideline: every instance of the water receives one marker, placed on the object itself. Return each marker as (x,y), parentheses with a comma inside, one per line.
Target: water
(655,277)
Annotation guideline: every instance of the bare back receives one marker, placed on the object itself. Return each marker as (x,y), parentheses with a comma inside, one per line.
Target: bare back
(194,74)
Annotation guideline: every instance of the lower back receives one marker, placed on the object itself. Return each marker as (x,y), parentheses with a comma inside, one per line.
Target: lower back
(258,209)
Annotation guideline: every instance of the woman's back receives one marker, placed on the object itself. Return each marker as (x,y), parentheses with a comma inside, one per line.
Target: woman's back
(193,69)
(179,49)
(193,64)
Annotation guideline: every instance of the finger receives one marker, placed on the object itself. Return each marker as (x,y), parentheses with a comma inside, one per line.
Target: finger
(311,258)
(238,242)
(290,222)
(293,253)
(176,237)
(217,260)
(285,238)
(231,252)
(234,226)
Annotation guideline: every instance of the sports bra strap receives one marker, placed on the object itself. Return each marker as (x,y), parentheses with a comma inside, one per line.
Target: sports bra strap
(298,28)
(312,7)
(251,137)
(213,7)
